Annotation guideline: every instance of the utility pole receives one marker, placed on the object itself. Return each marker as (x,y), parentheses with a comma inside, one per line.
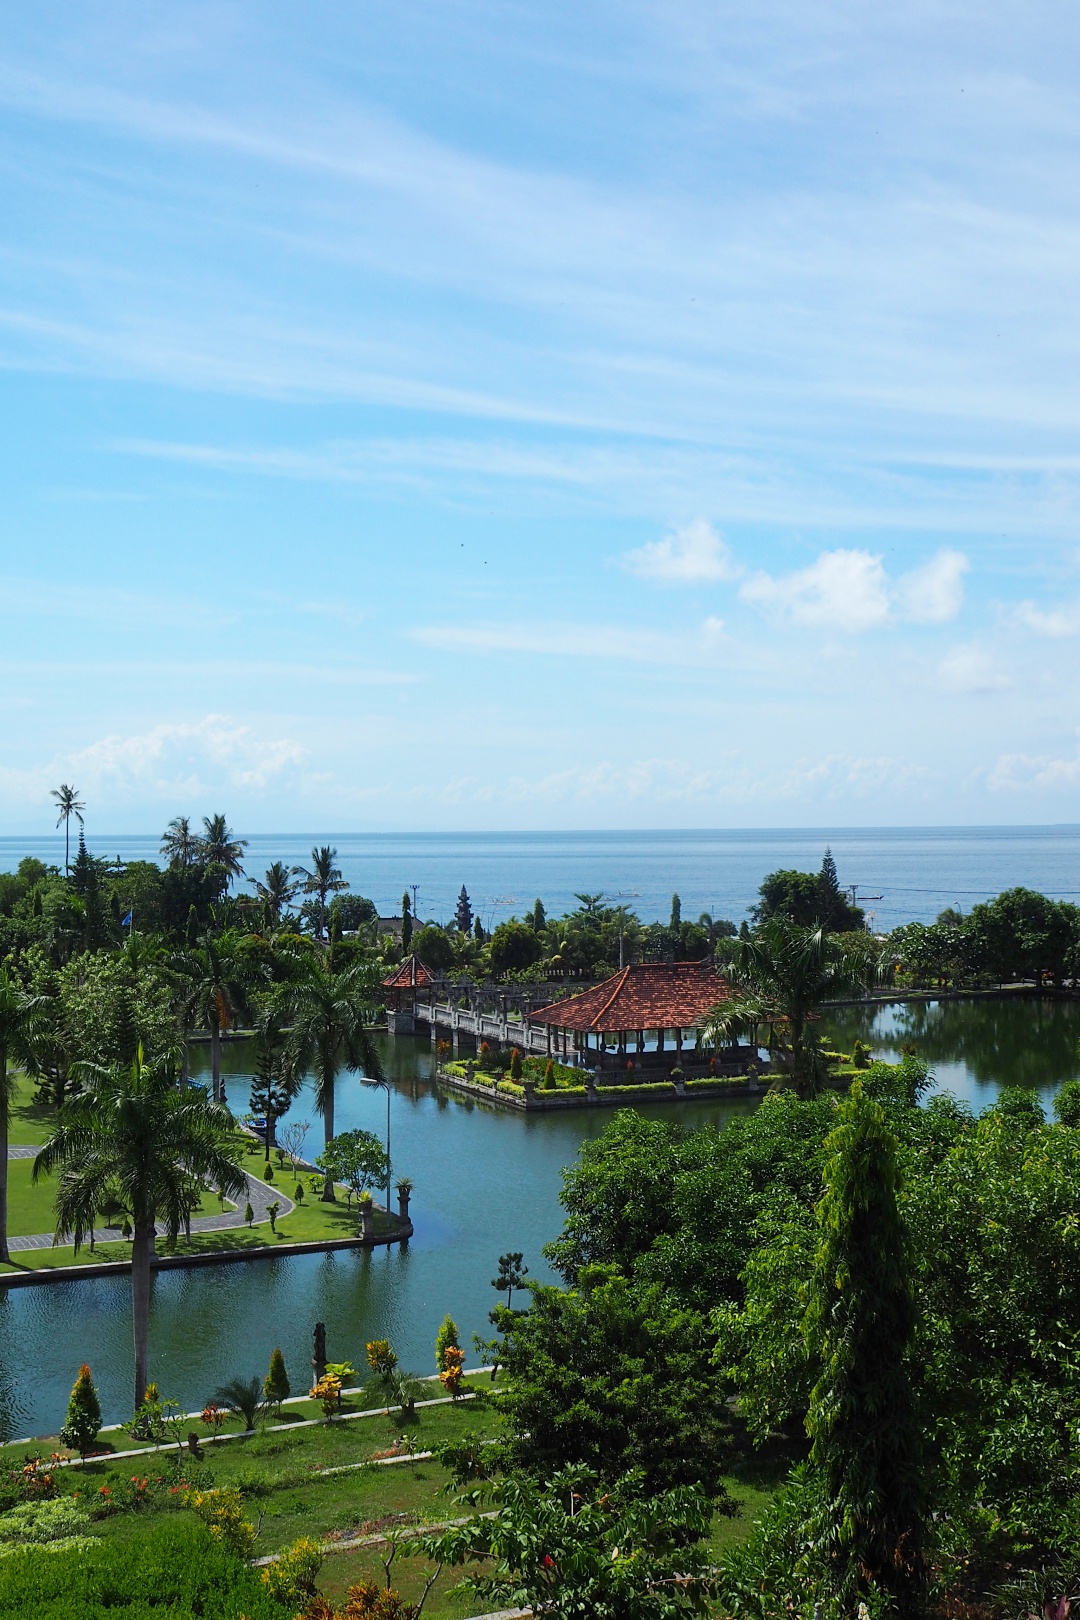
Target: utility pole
(413,887)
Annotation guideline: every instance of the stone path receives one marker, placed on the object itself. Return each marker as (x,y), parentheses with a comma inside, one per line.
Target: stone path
(260,1194)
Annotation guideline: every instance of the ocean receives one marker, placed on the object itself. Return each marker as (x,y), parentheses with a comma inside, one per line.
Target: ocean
(899,874)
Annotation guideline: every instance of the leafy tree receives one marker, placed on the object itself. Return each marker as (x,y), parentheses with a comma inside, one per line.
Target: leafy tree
(21,1018)
(614,1378)
(111,1003)
(331,1013)
(322,879)
(859,1324)
(355,1158)
(432,945)
(463,912)
(353,911)
(1067,1104)
(133,1138)
(779,979)
(69,804)
(570,1546)
(808,899)
(83,1422)
(514,945)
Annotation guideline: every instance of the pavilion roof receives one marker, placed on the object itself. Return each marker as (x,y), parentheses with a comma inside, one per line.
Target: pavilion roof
(411,975)
(646,995)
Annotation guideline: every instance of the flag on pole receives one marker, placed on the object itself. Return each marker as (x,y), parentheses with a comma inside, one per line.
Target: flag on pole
(125,922)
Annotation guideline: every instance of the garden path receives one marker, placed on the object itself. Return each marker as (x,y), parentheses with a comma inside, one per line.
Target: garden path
(260,1195)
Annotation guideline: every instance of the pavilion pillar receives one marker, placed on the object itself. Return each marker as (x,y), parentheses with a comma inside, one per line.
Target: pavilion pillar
(678,1041)
(640,1041)
(660,1039)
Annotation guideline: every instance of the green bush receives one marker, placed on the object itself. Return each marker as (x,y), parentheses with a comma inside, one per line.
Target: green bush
(175,1569)
(58,1523)
(83,1414)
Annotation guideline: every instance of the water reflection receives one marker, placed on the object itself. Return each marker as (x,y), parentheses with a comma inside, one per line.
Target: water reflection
(975,1047)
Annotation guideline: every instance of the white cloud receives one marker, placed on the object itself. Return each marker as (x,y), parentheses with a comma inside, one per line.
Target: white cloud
(1055,623)
(1017,772)
(850,591)
(172,760)
(933,593)
(841,591)
(970,669)
(686,557)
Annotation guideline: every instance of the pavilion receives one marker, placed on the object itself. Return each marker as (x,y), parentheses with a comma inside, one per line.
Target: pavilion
(403,987)
(645,1013)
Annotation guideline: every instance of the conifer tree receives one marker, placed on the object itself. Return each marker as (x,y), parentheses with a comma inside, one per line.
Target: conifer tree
(83,1414)
(276,1386)
(539,917)
(859,1322)
(406,922)
(676,912)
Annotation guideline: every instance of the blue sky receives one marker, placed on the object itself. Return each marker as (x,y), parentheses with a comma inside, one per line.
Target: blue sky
(503,415)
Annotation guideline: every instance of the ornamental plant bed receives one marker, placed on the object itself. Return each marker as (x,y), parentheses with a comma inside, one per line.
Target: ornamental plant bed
(655,1088)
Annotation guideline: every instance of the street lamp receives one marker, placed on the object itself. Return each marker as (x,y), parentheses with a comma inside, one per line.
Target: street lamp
(384,1085)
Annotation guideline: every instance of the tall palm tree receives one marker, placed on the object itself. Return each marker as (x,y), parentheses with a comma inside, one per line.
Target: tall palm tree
(21,1020)
(179,844)
(213,979)
(136,1139)
(69,803)
(331,1014)
(276,892)
(779,978)
(219,846)
(324,878)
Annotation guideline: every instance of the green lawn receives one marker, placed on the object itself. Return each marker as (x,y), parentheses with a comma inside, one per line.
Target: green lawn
(287,1496)
(29,1123)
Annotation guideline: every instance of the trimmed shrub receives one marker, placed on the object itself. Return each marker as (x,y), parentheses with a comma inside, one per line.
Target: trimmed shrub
(83,1414)
(292,1578)
(515,1064)
(276,1386)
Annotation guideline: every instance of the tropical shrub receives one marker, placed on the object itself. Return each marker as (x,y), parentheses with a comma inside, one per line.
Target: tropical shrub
(292,1577)
(381,1359)
(222,1512)
(61,1522)
(328,1392)
(365,1601)
(244,1397)
(446,1338)
(83,1414)
(453,1367)
(515,1064)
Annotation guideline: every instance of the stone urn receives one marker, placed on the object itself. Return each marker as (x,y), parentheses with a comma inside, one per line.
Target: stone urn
(367,1219)
(404,1193)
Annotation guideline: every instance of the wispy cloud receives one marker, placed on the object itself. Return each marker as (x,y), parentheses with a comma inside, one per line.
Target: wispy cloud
(561,640)
(1054,623)
(971,670)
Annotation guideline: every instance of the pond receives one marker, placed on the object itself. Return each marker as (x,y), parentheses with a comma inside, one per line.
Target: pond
(485,1182)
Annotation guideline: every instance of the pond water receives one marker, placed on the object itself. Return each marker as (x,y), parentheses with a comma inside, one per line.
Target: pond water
(485,1182)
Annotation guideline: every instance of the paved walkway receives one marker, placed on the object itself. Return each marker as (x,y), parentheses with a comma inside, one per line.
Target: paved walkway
(260,1194)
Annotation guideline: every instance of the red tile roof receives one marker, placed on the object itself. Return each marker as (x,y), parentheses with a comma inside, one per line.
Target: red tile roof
(647,995)
(411,975)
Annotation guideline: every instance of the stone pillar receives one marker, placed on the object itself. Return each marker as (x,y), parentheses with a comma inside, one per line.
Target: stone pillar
(367,1221)
(318,1354)
(403,1195)
(678,1080)
(530,1093)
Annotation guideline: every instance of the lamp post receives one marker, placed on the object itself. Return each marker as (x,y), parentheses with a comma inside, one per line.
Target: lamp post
(383,1085)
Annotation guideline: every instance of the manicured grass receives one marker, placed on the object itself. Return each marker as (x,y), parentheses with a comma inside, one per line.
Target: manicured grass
(29,1123)
(30,1204)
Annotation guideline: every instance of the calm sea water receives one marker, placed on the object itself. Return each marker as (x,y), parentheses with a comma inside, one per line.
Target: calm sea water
(904,873)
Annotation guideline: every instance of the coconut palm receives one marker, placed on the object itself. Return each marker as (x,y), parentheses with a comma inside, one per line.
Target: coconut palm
(21,1021)
(323,879)
(179,844)
(69,803)
(219,846)
(331,1014)
(779,978)
(213,979)
(276,892)
(133,1138)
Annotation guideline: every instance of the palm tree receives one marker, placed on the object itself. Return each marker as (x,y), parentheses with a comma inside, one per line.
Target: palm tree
(213,980)
(136,1139)
(277,891)
(21,1020)
(179,844)
(323,879)
(67,798)
(331,1013)
(220,846)
(779,978)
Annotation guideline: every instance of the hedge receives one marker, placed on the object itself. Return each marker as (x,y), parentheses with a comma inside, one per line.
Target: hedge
(176,1570)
